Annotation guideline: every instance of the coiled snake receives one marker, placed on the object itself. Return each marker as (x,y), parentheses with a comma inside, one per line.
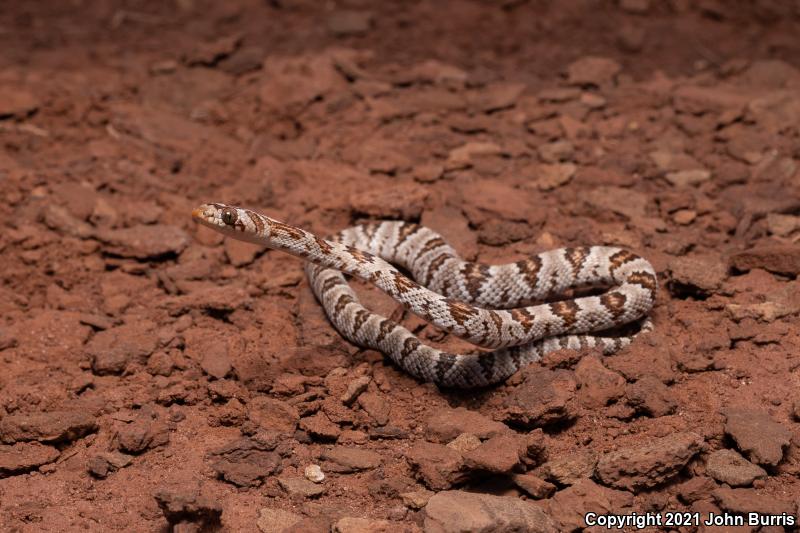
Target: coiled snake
(486,305)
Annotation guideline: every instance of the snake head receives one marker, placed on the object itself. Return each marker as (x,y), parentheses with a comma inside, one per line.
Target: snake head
(234,221)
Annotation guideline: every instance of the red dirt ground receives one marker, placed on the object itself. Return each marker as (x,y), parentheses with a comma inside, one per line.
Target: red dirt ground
(156,375)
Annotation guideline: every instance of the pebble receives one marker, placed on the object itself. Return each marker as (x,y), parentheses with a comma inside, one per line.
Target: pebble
(571,468)
(685,178)
(355,388)
(778,258)
(762,439)
(144,241)
(545,398)
(436,465)
(597,71)
(24,457)
(568,507)
(644,466)
(456,511)
(314,473)
(320,426)
(52,426)
(346,460)
(466,442)
(269,413)
(245,462)
(300,487)
(727,466)
(702,274)
(276,520)
(416,499)
(16,102)
(447,424)
(534,486)
(498,455)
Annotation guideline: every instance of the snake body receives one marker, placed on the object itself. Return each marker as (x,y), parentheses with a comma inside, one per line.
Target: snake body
(487,305)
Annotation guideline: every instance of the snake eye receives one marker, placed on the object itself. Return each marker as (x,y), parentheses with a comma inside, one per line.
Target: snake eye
(229,216)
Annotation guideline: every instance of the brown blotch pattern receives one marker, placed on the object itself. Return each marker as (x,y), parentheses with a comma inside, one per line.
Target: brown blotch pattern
(523,318)
(475,275)
(530,269)
(387,326)
(620,258)
(566,311)
(287,230)
(576,257)
(403,284)
(614,302)
(461,312)
(646,280)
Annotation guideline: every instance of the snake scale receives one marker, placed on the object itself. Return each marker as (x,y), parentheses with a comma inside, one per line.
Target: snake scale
(487,305)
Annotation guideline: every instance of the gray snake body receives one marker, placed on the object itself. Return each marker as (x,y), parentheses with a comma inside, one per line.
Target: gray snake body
(485,305)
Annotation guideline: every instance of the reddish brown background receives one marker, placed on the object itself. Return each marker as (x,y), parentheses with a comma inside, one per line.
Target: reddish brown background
(148,365)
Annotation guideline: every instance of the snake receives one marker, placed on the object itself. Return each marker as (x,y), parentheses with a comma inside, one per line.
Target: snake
(518,312)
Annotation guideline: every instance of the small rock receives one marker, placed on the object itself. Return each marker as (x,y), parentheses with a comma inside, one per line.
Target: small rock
(466,442)
(744,501)
(597,71)
(782,225)
(354,388)
(457,512)
(347,460)
(696,488)
(193,505)
(450,423)
(684,217)
(497,96)
(553,176)
(568,507)
(416,499)
(544,398)
(53,426)
(778,258)
(599,386)
(556,151)
(571,468)
(320,426)
(727,466)
(276,520)
(16,102)
(216,361)
(462,156)
(365,525)
(104,463)
(640,467)
(403,202)
(696,275)
(25,456)
(685,178)
(498,455)
(757,435)
(534,486)
(438,466)
(345,23)
(650,396)
(142,434)
(376,407)
(144,241)
(245,462)
(301,487)
(314,474)
(240,253)
(269,413)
